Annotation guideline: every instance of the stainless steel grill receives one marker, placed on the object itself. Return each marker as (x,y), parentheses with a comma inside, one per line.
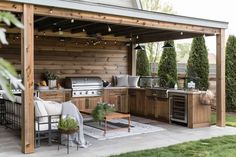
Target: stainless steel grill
(84,86)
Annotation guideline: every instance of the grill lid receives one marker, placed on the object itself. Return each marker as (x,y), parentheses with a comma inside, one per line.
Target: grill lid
(83,82)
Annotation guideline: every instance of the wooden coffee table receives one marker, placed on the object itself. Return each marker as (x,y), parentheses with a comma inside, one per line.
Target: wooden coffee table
(110,116)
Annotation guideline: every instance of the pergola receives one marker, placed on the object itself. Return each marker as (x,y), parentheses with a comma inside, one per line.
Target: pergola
(127,24)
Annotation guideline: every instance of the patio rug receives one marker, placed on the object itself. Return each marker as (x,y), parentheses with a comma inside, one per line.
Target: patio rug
(95,130)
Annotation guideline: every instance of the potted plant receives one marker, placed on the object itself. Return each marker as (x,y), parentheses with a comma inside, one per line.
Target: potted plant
(68,125)
(101,110)
(51,78)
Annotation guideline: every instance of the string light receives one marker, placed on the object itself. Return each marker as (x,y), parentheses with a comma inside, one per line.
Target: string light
(44,33)
(181,33)
(50,11)
(84,30)
(109,28)
(72,20)
(137,37)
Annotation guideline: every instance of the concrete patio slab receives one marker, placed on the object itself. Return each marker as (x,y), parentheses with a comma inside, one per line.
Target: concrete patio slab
(173,134)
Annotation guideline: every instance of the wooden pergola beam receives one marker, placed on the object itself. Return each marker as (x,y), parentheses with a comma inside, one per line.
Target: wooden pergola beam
(27,69)
(81,35)
(220,79)
(13,7)
(111,19)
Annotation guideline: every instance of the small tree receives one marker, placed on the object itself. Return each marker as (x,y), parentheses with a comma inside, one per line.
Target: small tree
(167,70)
(231,74)
(198,66)
(143,67)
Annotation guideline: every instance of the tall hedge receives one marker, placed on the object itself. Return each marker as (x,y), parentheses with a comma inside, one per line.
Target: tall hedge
(198,66)
(167,70)
(231,74)
(142,66)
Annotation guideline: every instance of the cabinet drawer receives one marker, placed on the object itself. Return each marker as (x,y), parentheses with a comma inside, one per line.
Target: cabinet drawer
(53,96)
(118,91)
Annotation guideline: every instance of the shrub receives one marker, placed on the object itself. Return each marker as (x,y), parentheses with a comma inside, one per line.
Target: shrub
(198,66)
(101,110)
(143,66)
(230,74)
(167,70)
(67,124)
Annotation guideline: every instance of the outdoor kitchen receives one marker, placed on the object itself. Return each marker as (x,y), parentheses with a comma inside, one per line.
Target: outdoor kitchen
(85,62)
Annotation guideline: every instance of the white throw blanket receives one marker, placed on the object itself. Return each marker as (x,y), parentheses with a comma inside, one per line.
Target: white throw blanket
(69,109)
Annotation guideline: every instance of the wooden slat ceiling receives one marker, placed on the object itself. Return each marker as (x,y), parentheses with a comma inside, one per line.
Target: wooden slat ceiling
(51,26)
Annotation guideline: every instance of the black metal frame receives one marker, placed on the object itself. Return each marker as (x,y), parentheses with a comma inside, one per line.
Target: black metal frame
(48,134)
(10,117)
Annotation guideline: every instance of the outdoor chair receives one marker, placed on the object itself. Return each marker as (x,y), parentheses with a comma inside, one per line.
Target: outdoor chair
(47,116)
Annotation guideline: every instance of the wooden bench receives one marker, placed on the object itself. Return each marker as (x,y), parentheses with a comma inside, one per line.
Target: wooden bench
(110,116)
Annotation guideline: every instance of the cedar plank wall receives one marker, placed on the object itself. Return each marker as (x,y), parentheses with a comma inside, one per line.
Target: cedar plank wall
(72,57)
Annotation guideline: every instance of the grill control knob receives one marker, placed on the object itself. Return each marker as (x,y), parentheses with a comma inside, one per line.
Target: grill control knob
(74,93)
(92,92)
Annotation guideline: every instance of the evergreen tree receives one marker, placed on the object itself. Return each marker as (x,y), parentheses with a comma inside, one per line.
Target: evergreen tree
(142,66)
(198,66)
(231,74)
(167,70)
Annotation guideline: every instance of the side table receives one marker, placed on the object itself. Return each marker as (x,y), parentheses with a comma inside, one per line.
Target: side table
(67,133)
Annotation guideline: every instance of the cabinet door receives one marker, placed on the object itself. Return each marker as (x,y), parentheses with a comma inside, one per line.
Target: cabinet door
(140,102)
(80,103)
(150,106)
(123,103)
(92,102)
(114,99)
(162,111)
(132,103)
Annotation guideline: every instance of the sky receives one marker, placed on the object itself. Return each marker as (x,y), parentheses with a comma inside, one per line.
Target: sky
(208,9)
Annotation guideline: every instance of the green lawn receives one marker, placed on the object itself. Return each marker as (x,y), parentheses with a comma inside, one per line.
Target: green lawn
(215,147)
(230,119)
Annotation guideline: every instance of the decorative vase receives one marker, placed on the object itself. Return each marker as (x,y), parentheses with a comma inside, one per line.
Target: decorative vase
(52,83)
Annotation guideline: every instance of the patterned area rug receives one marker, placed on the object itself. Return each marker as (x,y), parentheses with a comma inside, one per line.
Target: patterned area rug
(96,131)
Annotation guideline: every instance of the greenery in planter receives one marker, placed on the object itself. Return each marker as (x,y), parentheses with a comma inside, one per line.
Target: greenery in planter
(101,110)
(67,124)
(50,75)
(198,66)
(143,66)
(167,70)
(231,74)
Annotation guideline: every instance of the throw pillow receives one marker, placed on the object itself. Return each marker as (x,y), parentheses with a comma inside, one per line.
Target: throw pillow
(133,81)
(122,81)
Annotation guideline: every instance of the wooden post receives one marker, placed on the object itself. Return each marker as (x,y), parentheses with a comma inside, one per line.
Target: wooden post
(220,78)
(134,57)
(132,60)
(27,62)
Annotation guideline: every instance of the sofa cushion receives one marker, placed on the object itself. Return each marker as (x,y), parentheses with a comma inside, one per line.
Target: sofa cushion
(122,81)
(53,108)
(133,81)
(40,110)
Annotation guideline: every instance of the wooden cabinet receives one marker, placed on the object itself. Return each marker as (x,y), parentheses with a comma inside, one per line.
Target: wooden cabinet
(55,95)
(150,106)
(137,101)
(199,115)
(118,97)
(86,102)
(162,110)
